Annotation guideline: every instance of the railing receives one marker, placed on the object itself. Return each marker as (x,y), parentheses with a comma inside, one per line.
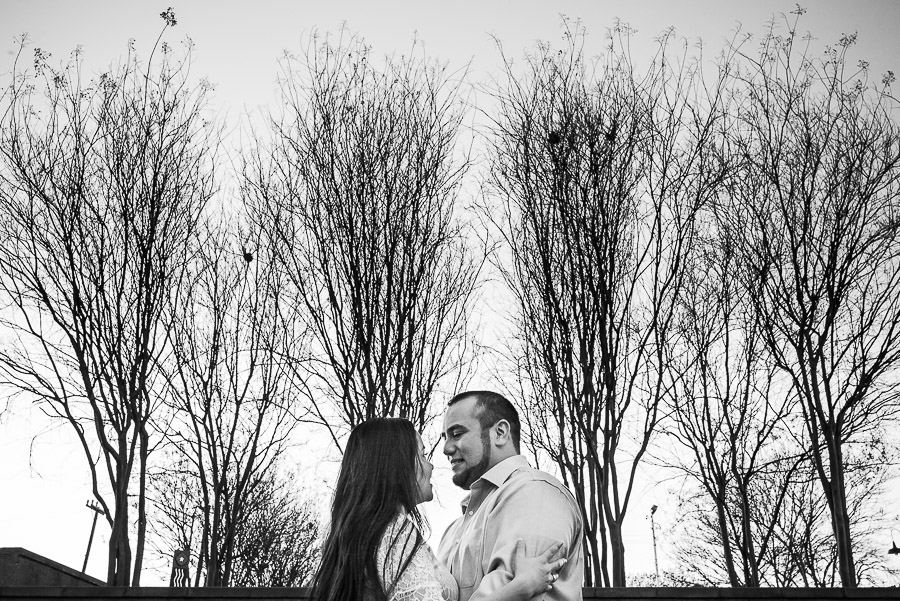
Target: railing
(47,593)
(61,583)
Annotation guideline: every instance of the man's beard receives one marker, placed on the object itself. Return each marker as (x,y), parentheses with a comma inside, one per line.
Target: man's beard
(465,478)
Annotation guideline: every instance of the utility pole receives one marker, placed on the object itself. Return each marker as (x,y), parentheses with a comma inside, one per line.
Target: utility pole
(653,529)
(97,511)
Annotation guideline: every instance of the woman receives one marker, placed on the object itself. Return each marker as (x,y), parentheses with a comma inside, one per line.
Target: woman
(375,550)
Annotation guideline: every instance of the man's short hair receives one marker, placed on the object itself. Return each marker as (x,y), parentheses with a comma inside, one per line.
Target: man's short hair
(491,407)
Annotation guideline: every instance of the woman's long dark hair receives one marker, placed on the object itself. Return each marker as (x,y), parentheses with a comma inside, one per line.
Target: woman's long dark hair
(378,477)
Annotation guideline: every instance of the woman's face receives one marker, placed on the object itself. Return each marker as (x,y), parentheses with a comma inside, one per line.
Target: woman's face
(423,473)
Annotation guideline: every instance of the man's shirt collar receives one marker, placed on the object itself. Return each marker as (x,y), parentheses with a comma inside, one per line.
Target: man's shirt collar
(496,476)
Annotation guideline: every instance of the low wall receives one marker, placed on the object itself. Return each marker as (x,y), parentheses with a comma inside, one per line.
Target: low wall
(27,576)
(45,593)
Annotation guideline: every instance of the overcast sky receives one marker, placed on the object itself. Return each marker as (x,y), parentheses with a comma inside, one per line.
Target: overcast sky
(237,43)
(236,48)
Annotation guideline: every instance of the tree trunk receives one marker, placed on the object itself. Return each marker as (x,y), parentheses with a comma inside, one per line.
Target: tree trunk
(726,541)
(839,515)
(617,547)
(751,571)
(604,557)
(119,563)
(142,506)
(599,575)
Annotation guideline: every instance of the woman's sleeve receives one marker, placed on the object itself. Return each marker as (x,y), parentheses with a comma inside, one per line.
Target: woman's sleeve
(418,581)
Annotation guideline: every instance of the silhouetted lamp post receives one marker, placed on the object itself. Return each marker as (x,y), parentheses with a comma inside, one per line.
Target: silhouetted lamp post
(653,528)
(97,511)
(893,550)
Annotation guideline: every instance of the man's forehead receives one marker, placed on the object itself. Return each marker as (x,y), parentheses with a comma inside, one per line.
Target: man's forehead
(462,412)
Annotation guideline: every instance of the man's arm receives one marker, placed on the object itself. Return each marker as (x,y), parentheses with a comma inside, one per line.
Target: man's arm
(540,514)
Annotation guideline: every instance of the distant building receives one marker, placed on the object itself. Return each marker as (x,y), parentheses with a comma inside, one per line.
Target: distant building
(21,567)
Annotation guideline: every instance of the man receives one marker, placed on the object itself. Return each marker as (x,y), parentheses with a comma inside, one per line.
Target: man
(508,500)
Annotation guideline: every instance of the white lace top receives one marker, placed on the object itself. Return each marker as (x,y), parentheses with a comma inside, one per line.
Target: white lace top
(425,578)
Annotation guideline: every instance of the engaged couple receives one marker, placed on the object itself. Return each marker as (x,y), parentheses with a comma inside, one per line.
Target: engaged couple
(519,535)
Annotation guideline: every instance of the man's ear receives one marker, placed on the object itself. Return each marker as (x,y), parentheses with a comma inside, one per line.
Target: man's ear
(502,433)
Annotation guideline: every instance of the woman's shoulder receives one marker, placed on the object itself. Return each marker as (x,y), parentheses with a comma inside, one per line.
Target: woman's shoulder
(401,527)
(415,574)
(405,526)
(399,541)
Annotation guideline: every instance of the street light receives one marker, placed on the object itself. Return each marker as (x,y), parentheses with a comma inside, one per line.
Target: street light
(893,550)
(653,529)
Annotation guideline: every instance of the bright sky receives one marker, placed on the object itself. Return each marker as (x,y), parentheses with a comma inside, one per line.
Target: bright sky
(42,494)
(237,43)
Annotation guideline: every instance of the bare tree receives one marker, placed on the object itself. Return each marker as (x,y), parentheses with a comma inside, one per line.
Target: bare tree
(276,542)
(102,185)
(230,386)
(728,409)
(599,174)
(279,542)
(817,198)
(175,506)
(805,551)
(789,509)
(360,189)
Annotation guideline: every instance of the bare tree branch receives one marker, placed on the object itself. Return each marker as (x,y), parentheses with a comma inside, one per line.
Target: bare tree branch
(101,188)
(360,191)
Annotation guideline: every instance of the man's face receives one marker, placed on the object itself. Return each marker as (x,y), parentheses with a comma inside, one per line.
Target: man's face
(465,444)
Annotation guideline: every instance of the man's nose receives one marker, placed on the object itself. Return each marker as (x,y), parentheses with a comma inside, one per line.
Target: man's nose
(448,447)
